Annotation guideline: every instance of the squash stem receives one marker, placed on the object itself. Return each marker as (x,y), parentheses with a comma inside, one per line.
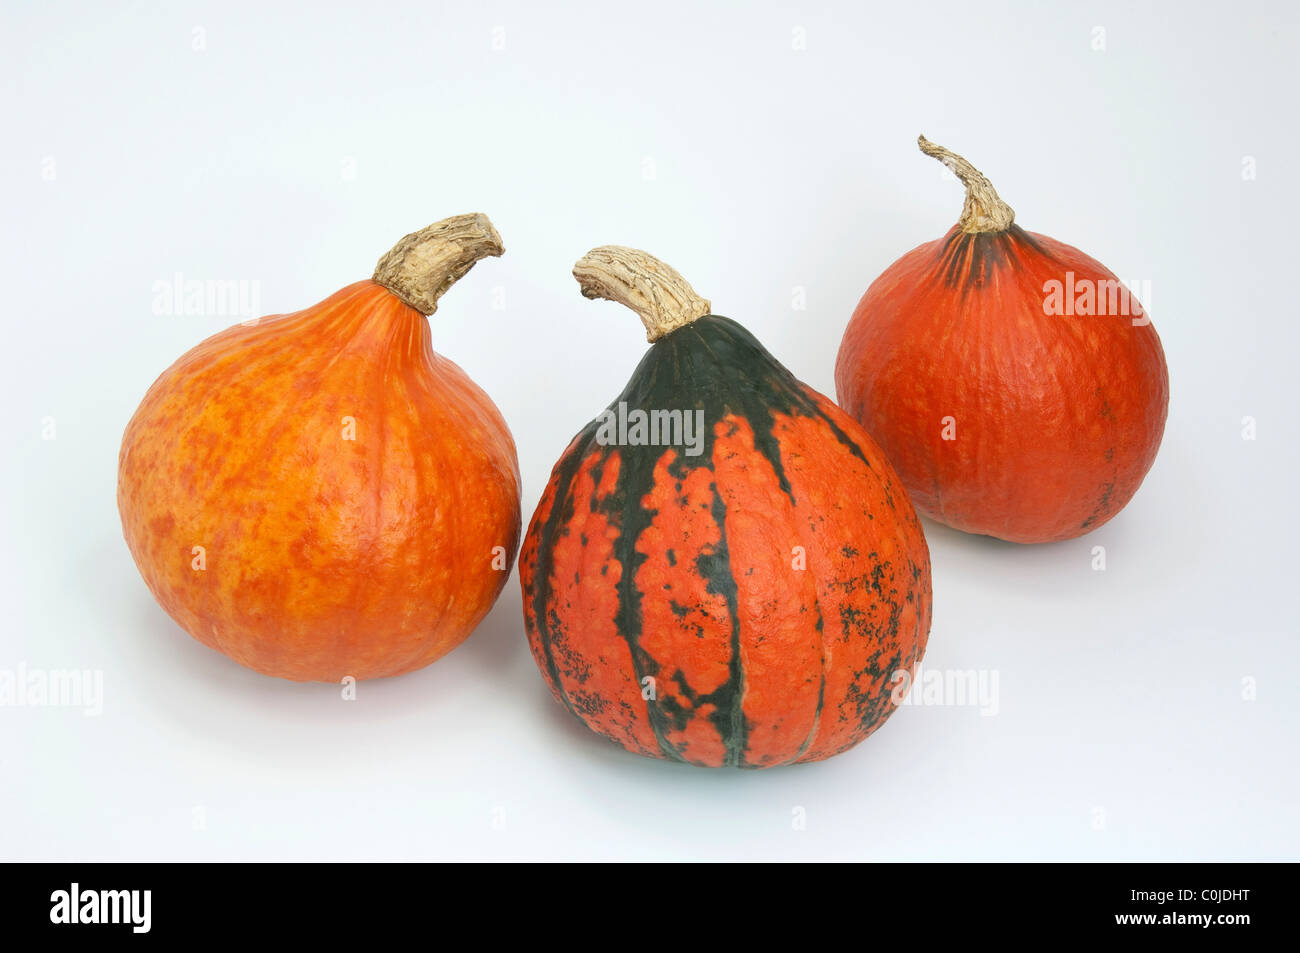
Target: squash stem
(660,296)
(424,264)
(983,211)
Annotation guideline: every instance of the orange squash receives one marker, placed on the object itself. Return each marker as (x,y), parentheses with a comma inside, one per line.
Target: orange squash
(319,495)
(1015,383)
(723,569)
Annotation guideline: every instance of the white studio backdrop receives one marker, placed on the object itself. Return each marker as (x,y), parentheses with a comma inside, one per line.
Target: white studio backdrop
(1145,711)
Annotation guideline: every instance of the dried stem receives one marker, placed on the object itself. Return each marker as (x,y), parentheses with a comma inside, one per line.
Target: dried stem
(984,211)
(661,297)
(426,263)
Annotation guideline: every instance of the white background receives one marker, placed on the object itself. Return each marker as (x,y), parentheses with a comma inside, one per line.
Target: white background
(294,148)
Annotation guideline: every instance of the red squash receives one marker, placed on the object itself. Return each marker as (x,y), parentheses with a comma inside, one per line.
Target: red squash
(748,595)
(320,495)
(1017,386)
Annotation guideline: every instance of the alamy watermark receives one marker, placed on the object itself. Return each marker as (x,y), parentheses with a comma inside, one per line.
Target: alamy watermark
(24,687)
(653,428)
(950,687)
(211,297)
(1087,297)
(77,904)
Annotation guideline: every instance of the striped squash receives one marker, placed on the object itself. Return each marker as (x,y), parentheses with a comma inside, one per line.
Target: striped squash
(744,599)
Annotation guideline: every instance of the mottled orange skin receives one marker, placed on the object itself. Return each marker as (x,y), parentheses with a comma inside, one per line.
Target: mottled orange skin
(325,556)
(1057,417)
